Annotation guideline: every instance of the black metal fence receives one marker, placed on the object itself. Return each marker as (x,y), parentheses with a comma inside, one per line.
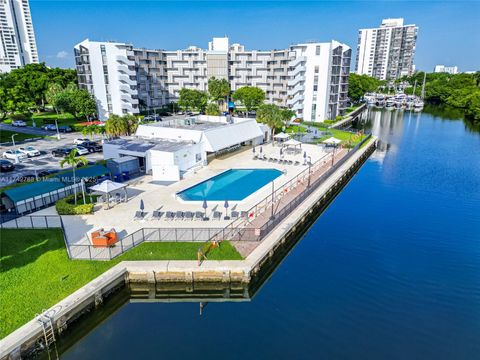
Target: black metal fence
(32,222)
(89,252)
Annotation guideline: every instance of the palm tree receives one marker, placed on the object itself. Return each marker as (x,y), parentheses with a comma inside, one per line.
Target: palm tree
(270,115)
(73,161)
(116,126)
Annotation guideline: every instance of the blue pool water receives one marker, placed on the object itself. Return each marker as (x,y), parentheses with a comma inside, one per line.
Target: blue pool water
(233,184)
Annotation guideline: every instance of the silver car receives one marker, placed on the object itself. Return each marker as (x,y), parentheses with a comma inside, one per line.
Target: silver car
(14,154)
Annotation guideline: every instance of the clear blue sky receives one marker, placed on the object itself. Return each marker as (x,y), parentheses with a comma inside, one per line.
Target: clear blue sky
(449,30)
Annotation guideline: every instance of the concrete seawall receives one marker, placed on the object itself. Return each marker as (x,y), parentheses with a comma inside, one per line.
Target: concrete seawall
(236,273)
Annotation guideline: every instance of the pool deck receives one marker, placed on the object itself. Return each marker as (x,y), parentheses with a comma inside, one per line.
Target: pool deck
(162,197)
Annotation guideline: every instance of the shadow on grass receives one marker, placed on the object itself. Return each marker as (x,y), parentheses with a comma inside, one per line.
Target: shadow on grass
(20,247)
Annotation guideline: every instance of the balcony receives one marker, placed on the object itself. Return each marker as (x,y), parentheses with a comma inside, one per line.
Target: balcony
(123,78)
(296,80)
(297,98)
(297,61)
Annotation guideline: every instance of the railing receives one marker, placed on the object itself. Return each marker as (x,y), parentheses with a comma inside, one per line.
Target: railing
(31,222)
(89,252)
(304,177)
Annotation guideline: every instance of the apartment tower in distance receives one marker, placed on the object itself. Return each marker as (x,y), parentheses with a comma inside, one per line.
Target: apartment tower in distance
(18,46)
(386,52)
(310,78)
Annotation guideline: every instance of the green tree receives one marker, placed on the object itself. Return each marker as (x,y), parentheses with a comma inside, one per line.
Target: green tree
(358,85)
(51,95)
(271,115)
(131,123)
(250,96)
(73,160)
(83,103)
(212,109)
(218,89)
(191,99)
(115,126)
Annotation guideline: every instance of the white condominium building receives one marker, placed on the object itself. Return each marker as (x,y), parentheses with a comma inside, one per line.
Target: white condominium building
(446,69)
(310,78)
(107,70)
(18,45)
(318,85)
(386,52)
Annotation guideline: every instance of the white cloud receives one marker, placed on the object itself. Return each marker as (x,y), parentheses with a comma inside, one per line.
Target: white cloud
(62,54)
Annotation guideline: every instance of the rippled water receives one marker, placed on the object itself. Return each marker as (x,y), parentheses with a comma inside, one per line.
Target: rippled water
(391,270)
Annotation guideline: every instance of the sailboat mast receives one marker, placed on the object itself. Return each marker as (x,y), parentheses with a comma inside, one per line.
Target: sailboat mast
(423,85)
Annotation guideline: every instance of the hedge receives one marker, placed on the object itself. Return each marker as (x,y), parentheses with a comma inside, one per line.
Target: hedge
(66,206)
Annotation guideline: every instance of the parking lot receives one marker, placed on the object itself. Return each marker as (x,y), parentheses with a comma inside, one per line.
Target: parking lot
(45,161)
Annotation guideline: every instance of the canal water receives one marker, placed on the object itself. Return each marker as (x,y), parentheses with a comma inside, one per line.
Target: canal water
(391,270)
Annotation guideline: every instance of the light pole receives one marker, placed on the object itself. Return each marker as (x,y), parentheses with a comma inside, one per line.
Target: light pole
(273,191)
(15,151)
(309,169)
(56,126)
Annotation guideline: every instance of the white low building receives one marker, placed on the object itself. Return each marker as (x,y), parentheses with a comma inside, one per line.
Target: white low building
(169,150)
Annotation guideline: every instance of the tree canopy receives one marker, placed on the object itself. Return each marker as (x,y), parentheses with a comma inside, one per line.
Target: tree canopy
(358,85)
(26,88)
(191,99)
(212,109)
(250,96)
(121,125)
(218,89)
(274,116)
(458,90)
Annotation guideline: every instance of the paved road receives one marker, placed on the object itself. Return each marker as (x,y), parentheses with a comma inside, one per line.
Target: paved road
(27,130)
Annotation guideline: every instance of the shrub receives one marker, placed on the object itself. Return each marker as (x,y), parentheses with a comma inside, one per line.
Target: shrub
(23,117)
(339,117)
(66,206)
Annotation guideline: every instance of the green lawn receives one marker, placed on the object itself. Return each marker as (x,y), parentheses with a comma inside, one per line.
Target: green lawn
(49,118)
(6,136)
(36,273)
(345,136)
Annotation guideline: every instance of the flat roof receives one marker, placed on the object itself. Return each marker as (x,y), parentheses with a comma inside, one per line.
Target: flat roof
(198,125)
(30,190)
(140,145)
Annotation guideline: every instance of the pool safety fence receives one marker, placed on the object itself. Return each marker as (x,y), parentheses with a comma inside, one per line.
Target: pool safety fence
(269,204)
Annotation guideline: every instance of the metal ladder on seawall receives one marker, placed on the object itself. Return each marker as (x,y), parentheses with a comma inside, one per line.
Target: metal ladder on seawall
(47,327)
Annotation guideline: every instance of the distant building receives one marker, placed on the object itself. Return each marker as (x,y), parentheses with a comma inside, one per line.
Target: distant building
(18,46)
(310,78)
(387,52)
(446,69)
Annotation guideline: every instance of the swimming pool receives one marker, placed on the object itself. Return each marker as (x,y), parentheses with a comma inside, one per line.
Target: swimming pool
(233,184)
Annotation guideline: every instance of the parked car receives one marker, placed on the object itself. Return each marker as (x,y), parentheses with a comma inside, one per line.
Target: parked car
(81,150)
(152,118)
(30,151)
(92,146)
(78,141)
(48,172)
(49,127)
(65,129)
(14,154)
(19,123)
(6,165)
(24,178)
(61,152)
